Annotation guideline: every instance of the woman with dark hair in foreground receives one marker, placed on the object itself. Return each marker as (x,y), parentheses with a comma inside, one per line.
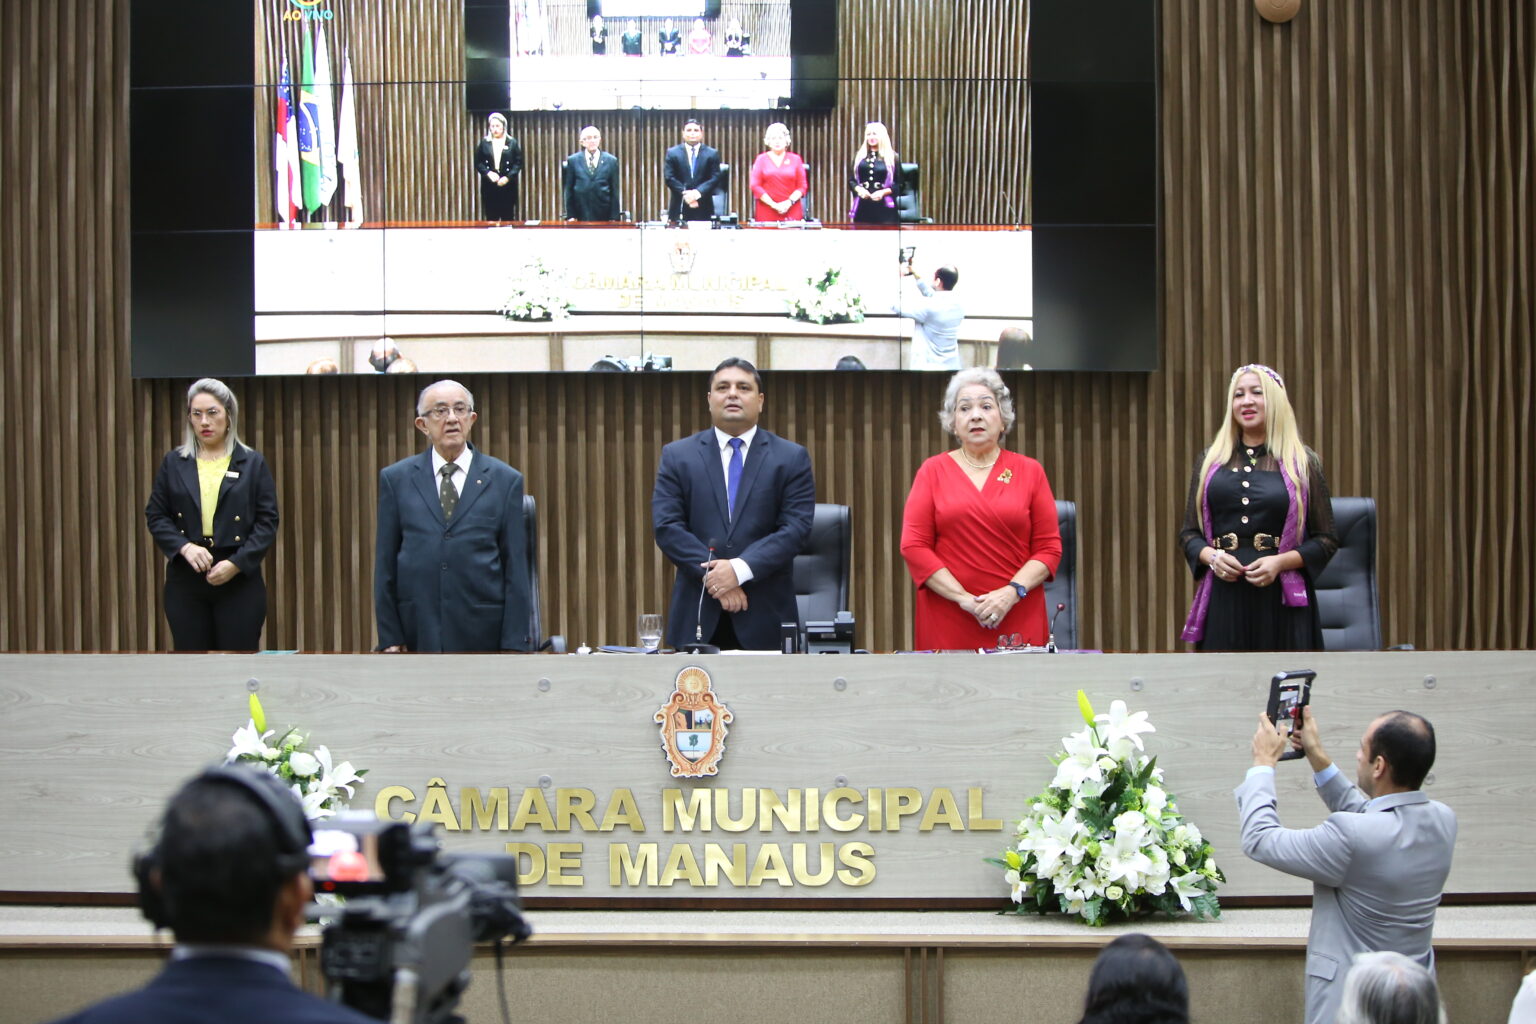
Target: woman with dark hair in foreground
(1136,980)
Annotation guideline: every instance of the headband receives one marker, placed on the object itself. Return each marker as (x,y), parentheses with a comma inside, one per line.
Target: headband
(1260,368)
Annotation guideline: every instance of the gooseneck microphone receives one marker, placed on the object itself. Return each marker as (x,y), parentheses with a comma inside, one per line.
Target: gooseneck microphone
(1050,641)
(699,646)
(698,615)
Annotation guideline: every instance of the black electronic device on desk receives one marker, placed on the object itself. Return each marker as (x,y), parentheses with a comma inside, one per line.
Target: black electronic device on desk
(835,637)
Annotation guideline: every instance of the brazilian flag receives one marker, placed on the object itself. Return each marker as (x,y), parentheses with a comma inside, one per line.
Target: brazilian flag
(309,128)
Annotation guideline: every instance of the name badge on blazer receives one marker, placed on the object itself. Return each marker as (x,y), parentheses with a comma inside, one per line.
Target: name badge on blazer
(230,474)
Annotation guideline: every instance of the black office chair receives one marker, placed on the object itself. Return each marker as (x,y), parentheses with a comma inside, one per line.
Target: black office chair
(554,643)
(1063,588)
(1347,605)
(820,570)
(909,198)
(721,196)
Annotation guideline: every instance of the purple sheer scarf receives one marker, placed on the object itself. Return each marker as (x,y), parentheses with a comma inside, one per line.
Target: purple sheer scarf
(1293,586)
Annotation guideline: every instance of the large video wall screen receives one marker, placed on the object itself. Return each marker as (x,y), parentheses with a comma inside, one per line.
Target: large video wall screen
(515,187)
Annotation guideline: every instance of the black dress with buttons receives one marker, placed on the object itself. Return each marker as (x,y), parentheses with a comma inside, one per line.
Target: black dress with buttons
(870,173)
(1248,497)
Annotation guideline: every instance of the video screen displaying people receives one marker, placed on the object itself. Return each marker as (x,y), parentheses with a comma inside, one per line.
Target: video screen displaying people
(626,214)
(653,56)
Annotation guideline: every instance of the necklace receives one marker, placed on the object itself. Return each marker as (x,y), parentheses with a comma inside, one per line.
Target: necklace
(980,465)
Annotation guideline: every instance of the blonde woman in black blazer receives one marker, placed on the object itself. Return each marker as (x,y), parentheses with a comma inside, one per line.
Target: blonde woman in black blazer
(215,599)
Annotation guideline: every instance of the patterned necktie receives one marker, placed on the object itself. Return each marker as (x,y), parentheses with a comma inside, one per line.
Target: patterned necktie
(447,493)
(733,477)
(693,156)
(592,162)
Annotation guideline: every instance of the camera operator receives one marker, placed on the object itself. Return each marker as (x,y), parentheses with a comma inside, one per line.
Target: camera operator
(229,876)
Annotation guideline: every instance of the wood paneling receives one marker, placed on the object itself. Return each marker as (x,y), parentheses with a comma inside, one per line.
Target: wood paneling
(1346,197)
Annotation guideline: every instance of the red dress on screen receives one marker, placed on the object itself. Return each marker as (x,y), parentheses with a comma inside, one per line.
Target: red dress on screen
(778,182)
(982,537)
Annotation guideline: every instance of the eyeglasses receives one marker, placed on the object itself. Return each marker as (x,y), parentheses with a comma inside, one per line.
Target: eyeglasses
(205,414)
(1009,641)
(440,412)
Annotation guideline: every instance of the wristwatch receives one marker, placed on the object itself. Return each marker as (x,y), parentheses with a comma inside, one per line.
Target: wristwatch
(1020,589)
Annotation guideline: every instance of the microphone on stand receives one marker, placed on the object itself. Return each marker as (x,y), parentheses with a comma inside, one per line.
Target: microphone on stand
(699,646)
(1050,641)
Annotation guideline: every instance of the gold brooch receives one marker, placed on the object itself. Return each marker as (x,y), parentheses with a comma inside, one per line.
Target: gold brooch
(1006,476)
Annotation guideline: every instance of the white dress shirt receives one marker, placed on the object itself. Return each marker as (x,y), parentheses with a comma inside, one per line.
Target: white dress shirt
(743,570)
(438,462)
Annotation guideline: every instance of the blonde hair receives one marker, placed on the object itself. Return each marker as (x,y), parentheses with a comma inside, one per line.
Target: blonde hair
(886,151)
(775,130)
(219,392)
(1280,435)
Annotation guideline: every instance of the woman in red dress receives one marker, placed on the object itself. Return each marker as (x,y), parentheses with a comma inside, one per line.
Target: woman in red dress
(778,178)
(979,533)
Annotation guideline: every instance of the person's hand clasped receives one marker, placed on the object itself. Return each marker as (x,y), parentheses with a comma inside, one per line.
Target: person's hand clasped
(223,572)
(1225,567)
(991,607)
(393,649)
(197,556)
(1268,743)
(1261,572)
(734,600)
(719,577)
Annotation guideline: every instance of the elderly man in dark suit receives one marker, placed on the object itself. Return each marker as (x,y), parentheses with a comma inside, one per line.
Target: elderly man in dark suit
(590,179)
(731,508)
(692,171)
(1378,862)
(450,564)
(229,875)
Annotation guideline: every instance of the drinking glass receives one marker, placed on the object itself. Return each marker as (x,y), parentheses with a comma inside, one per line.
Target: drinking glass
(650,632)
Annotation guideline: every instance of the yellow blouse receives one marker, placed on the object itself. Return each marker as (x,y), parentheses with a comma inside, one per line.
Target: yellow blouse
(210,477)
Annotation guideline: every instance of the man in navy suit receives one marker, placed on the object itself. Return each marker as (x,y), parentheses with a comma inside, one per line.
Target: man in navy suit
(692,170)
(450,569)
(732,508)
(229,876)
(590,180)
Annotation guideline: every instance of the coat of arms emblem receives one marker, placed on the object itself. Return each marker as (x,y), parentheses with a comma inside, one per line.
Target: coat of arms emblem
(693,725)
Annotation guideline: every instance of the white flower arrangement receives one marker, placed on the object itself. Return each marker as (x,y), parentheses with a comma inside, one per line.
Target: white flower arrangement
(1105,840)
(826,300)
(538,293)
(321,785)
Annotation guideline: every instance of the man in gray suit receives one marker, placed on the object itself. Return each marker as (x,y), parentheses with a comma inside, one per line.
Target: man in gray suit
(1378,863)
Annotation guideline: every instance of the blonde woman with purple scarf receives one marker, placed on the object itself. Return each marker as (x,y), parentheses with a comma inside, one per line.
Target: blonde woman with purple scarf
(1258,526)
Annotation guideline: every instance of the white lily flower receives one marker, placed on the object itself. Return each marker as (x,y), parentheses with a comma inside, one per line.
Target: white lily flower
(1123,860)
(1120,725)
(1072,772)
(1185,887)
(303,765)
(314,803)
(1082,744)
(1153,801)
(340,777)
(248,742)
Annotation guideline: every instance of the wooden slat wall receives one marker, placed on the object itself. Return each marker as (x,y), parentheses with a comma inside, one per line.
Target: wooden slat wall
(1347,197)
